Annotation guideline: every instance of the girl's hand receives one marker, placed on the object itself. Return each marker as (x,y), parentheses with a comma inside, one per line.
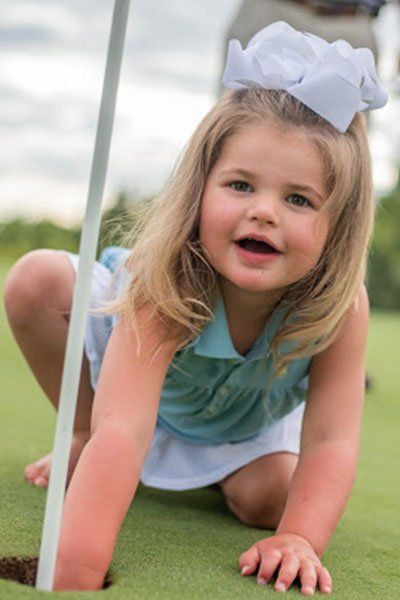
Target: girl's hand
(294,555)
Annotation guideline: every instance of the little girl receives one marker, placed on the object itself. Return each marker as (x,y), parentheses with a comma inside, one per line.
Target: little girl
(239,305)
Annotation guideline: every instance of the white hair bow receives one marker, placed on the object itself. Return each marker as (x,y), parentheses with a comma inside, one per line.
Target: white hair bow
(334,80)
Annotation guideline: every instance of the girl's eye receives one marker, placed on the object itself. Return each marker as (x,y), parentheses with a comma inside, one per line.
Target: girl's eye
(240,186)
(300,200)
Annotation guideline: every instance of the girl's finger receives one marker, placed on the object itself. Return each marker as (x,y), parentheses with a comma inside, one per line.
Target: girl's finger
(269,563)
(287,573)
(249,561)
(324,580)
(308,578)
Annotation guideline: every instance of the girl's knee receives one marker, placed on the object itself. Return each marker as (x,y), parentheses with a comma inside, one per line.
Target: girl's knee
(266,516)
(38,279)
(262,508)
(258,497)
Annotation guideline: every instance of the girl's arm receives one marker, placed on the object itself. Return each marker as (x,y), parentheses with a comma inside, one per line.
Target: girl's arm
(330,436)
(106,477)
(326,470)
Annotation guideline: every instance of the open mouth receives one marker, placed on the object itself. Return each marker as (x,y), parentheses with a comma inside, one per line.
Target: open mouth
(256,246)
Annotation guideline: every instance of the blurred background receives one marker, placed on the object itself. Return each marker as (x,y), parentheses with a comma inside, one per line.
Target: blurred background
(51,72)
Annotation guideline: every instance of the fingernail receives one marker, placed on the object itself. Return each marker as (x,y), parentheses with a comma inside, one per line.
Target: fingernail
(262,581)
(280,587)
(327,589)
(244,569)
(308,590)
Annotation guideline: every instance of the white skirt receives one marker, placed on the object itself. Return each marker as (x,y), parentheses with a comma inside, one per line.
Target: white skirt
(171,463)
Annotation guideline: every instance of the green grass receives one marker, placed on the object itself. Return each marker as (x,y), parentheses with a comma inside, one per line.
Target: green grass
(186,544)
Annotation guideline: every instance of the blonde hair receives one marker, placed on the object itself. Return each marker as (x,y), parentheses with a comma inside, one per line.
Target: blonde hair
(170,271)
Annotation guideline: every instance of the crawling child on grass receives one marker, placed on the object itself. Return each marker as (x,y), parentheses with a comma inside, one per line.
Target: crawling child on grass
(227,342)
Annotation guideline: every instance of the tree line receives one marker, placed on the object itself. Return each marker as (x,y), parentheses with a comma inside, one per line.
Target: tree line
(19,236)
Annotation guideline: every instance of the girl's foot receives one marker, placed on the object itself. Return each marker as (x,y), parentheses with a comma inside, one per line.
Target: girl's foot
(38,472)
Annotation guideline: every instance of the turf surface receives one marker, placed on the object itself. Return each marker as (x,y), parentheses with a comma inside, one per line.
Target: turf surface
(186,544)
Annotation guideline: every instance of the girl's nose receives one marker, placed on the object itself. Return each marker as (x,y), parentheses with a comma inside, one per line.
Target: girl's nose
(264,208)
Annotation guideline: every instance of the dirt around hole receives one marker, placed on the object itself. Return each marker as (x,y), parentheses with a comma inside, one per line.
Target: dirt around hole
(24,569)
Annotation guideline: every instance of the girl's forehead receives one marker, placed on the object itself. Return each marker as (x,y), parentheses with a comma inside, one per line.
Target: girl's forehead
(265,137)
(265,148)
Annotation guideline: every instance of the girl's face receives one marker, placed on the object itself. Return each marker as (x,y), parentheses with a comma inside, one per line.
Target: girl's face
(267,184)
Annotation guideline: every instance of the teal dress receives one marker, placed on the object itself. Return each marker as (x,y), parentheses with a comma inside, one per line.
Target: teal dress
(218,409)
(212,394)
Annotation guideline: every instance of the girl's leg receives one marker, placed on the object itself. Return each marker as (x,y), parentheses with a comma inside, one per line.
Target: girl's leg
(38,298)
(257,492)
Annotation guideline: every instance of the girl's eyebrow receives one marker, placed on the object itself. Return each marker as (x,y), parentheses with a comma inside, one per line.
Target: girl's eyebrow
(306,188)
(299,186)
(238,172)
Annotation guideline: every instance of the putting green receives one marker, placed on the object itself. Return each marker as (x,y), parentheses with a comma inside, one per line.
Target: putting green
(186,544)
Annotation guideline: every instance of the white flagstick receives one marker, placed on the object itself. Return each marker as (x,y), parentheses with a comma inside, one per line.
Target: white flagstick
(80,304)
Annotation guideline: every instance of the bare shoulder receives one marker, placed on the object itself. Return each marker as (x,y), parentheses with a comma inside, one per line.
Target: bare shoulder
(151,332)
(349,345)
(352,338)
(360,313)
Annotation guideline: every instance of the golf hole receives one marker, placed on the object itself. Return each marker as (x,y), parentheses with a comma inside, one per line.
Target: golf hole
(23,570)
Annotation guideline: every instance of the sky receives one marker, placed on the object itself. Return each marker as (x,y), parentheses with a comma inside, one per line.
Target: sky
(52,58)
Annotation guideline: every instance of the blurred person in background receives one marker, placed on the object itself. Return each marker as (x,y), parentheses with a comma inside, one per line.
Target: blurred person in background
(350,20)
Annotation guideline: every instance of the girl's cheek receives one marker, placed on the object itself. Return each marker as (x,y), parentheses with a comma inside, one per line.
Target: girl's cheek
(300,235)
(220,222)
(310,234)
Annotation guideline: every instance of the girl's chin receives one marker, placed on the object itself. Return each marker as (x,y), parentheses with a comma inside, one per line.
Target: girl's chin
(254,284)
